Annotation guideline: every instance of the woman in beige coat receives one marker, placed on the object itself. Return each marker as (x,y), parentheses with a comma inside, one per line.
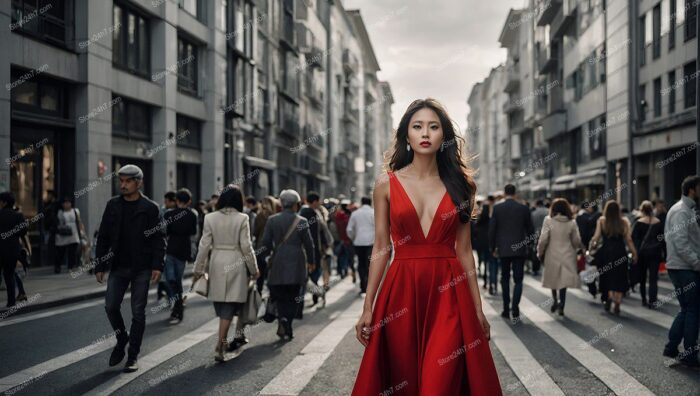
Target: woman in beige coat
(557,247)
(226,234)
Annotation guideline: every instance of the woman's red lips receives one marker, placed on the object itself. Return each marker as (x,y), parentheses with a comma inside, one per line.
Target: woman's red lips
(425,144)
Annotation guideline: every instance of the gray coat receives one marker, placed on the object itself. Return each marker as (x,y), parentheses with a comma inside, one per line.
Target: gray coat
(289,266)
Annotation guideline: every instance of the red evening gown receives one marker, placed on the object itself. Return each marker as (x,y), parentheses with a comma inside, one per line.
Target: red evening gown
(425,337)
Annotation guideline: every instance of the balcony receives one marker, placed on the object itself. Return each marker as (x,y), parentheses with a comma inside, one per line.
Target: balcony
(301,10)
(289,31)
(513,77)
(350,63)
(547,57)
(564,20)
(546,10)
(305,38)
(315,58)
(554,125)
(512,105)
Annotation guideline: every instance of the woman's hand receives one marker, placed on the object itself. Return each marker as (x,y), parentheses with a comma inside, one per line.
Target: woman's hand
(362,328)
(256,275)
(485,326)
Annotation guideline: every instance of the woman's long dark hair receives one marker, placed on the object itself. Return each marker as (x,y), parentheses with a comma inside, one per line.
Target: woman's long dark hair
(231,197)
(454,171)
(614,225)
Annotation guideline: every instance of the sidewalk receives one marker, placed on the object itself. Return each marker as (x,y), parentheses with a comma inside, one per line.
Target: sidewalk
(46,290)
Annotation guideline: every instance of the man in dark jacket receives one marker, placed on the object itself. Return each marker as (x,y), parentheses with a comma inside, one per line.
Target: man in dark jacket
(308,211)
(12,228)
(181,226)
(132,245)
(510,231)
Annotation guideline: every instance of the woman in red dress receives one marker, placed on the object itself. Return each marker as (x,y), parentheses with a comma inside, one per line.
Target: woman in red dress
(426,333)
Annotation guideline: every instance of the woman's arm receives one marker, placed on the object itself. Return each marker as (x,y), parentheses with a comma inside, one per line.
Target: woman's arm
(381,250)
(628,239)
(596,234)
(466,258)
(380,255)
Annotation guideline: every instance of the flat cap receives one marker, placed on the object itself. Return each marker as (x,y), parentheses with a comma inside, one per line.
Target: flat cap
(131,171)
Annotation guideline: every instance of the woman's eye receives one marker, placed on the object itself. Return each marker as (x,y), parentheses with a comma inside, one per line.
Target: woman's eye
(416,126)
(434,127)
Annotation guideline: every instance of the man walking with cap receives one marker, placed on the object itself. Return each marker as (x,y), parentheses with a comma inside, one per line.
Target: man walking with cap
(132,246)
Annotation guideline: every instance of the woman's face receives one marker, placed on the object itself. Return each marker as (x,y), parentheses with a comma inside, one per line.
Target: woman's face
(425,132)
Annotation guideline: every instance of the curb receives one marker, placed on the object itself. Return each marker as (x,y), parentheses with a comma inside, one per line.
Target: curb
(64,301)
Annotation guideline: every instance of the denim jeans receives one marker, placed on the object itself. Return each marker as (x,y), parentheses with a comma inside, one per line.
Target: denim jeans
(119,280)
(491,264)
(174,270)
(685,326)
(517,264)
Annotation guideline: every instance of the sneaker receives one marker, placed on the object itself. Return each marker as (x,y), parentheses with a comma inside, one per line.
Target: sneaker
(174,320)
(516,313)
(561,310)
(118,353)
(671,353)
(237,343)
(131,365)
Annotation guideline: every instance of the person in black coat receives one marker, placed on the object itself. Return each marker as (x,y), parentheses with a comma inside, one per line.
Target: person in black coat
(510,232)
(132,244)
(12,228)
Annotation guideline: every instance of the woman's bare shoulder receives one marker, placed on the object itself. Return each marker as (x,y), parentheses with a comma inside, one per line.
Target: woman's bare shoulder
(381,185)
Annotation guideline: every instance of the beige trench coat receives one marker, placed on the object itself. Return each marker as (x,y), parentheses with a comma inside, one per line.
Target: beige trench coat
(226,233)
(559,242)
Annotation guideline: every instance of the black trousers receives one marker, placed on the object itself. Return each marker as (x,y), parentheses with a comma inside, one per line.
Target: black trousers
(517,264)
(70,251)
(286,297)
(8,261)
(649,263)
(119,281)
(363,255)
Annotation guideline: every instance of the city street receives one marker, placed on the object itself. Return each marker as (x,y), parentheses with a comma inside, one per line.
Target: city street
(64,350)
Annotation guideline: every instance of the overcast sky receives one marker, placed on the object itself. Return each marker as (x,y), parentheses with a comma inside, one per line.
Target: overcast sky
(435,48)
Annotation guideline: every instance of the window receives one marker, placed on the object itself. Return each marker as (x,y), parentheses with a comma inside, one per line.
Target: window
(290,81)
(131,120)
(194,7)
(131,41)
(689,75)
(597,141)
(642,39)
(235,85)
(657,97)
(656,21)
(672,25)
(37,95)
(671,92)
(642,102)
(188,132)
(691,19)
(44,19)
(187,66)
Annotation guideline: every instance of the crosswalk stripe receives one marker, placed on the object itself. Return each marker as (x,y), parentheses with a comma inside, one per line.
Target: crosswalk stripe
(159,356)
(612,375)
(58,311)
(519,357)
(663,299)
(299,372)
(656,317)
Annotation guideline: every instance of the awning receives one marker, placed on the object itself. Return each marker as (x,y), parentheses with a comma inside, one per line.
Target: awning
(260,162)
(539,185)
(582,179)
(563,183)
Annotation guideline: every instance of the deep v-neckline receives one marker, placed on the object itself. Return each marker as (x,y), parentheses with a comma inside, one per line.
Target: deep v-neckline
(415,211)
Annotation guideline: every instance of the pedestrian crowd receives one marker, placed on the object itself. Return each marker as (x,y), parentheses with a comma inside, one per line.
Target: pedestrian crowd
(613,253)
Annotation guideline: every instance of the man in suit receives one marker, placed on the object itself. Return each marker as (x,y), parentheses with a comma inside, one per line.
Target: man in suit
(510,231)
(309,212)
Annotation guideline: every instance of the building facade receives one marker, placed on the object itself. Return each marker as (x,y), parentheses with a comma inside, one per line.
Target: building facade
(199,94)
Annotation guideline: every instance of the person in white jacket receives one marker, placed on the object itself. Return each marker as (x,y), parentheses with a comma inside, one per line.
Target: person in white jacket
(361,231)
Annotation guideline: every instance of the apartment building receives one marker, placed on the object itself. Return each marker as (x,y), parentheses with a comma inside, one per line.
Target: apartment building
(198,93)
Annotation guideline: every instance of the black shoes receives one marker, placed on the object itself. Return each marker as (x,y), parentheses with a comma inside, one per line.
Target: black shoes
(516,313)
(554,307)
(118,352)
(671,353)
(237,343)
(281,329)
(561,310)
(606,305)
(131,365)
(505,314)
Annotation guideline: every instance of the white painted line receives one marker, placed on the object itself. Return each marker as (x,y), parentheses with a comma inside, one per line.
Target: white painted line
(20,377)
(656,317)
(663,299)
(299,372)
(73,307)
(159,356)
(528,370)
(612,375)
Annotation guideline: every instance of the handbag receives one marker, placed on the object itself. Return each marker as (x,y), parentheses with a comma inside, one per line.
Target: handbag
(589,274)
(201,286)
(249,313)
(286,237)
